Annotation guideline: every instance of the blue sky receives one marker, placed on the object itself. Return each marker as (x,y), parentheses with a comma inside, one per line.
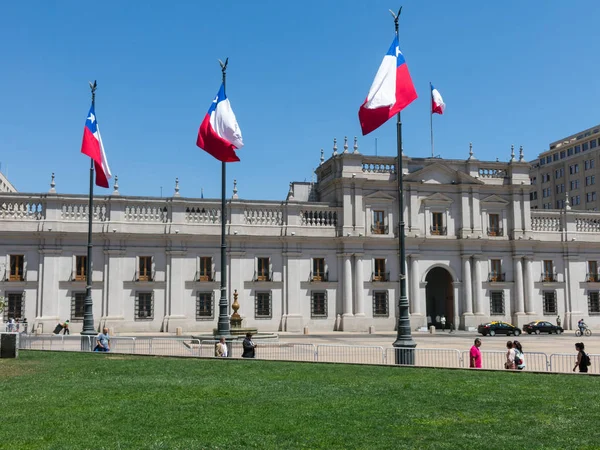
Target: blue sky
(514,72)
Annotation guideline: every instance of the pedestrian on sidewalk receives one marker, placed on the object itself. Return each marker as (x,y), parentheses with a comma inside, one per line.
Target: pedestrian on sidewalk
(519,357)
(249,347)
(221,348)
(475,355)
(510,356)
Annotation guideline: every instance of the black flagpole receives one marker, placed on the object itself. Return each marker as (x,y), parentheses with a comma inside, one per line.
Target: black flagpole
(223,329)
(404,343)
(88,306)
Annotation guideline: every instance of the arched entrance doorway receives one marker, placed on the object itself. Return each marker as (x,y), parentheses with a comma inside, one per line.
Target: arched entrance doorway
(440,297)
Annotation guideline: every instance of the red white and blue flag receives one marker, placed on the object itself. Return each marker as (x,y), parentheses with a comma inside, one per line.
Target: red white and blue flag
(219,132)
(437,102)
(391,91)
(92,146)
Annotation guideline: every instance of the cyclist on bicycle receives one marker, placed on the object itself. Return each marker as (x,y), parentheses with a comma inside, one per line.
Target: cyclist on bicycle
(582,326)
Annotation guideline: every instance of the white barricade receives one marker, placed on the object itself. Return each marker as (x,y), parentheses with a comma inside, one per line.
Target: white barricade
(428,357)
(489,359)
(564,363)
(120,344)
(350,354)
(174,347)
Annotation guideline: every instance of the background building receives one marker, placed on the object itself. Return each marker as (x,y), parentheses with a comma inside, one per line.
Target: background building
(326,257)
(567,170)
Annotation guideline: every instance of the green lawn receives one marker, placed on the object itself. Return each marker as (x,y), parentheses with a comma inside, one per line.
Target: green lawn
(96,401)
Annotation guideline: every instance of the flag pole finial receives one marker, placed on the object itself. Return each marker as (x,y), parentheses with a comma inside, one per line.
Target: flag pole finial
(93,87)
(396,17)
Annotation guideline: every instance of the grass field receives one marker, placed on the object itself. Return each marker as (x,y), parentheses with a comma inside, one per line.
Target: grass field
(96,401)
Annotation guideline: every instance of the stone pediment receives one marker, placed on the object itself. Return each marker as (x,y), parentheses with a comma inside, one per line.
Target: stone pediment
(438,173)
(494,200)
(379,196)
(437,199)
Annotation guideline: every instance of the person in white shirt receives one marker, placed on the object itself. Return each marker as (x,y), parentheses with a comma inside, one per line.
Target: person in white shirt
(221,348)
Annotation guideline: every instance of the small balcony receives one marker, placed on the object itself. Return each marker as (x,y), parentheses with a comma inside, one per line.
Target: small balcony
(495,231)
(379,229)
(20,276)
(78,276)
(317,277)
(437,230)
(592,278)
(496,277)
(144,276)
(262,276)
(380,276)
(548,277)
(204,276)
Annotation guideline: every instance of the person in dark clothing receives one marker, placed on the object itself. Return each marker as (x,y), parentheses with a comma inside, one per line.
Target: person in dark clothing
(582,358)
(249,347)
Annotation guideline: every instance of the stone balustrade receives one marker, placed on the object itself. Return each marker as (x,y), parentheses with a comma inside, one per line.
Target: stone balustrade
(546,220)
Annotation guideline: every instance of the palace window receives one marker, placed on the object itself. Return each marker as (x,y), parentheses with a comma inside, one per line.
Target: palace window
(590,180)
(592,275)
(497,303)
(16,268)
(590,197)
(77,306)
(496,270)
(80,268)
(494,228)
(381,304)
(558,173)
(574,185)
(205,306)
(560,188)
(318,272)
(378,226)
(594,302)
(145,268)
(144,306)
(380,274)
(589,164)
(263,269)
(262,305)
(437,224)
(15,306)
(318,304)
(205,269)
(573,169)
(548,274)
(575,200)
(550,303)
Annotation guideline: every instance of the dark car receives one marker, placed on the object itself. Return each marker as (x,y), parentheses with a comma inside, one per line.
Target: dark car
(494,328)
(542,326)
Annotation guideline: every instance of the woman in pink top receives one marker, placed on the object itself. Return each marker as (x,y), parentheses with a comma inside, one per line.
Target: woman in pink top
(476,355)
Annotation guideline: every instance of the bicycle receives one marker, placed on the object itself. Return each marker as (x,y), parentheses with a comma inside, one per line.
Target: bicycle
(586,331)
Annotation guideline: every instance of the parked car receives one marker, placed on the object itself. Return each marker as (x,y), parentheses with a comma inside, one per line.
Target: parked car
(494,328)
(542,326)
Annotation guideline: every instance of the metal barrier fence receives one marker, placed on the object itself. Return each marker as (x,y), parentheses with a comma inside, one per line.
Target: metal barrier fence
(428,357)
(564,363)
(273,350)
(350,354)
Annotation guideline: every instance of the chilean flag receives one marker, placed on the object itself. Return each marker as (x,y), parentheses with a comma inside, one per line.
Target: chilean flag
(92,146)
(219,132)
(391,91)
(437,102)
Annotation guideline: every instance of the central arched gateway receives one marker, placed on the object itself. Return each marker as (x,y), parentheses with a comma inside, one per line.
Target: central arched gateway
(439,293)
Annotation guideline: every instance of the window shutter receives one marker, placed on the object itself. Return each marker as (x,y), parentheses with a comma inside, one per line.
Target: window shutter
(152,274)
(24,274)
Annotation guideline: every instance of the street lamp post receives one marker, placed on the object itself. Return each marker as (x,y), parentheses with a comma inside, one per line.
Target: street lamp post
(404,342)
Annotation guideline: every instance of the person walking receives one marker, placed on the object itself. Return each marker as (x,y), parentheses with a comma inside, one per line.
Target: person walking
(558,322)
(475,355)
(510,356)
(249,347)
(583,359)
(221,348)
(519,357)
(66,328)
(103,341)
(443,321)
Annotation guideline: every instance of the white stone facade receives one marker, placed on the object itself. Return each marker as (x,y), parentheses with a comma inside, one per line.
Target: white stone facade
(475,252)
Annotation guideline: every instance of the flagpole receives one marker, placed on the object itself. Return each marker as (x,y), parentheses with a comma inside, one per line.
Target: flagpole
(431,117)
(223,329)
(404,342)
(88,305)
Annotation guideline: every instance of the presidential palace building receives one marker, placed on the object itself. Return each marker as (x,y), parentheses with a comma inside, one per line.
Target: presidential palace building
(326,257)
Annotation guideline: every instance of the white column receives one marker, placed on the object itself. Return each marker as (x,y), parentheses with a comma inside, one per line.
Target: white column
(467,285)
(477,287)
(414,300)
(360,286)
(347,300)
(519,301)
(529,308)
(456,318)
(295,307)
